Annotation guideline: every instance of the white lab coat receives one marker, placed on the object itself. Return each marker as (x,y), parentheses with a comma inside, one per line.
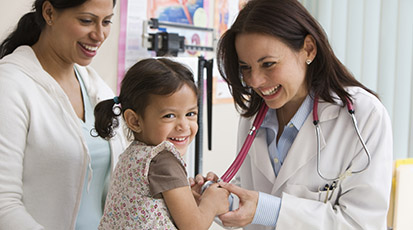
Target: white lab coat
(360,201)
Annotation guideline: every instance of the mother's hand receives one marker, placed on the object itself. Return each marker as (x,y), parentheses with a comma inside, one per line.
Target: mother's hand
(244,215)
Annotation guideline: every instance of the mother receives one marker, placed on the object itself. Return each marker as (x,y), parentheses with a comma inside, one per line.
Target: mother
(53,173)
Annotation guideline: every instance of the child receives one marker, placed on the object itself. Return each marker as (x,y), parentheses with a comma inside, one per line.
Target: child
(149,187)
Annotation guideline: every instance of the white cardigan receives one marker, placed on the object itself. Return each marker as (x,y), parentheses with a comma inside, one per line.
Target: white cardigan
(360,201)
(43,155)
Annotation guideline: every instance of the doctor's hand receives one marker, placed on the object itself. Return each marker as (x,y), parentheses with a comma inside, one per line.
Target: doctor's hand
(248,201)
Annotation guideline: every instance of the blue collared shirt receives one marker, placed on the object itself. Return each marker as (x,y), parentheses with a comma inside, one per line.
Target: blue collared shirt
(268,206)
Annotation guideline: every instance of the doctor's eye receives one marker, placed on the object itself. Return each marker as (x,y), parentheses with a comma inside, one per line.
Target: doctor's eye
(268,64)
(245,71)
(243,68)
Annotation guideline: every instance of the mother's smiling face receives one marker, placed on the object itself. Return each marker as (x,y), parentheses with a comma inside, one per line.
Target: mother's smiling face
(76,33)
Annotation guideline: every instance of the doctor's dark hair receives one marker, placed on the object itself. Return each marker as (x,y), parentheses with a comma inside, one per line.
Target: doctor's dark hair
(151,76)
(290,22)
(30,25)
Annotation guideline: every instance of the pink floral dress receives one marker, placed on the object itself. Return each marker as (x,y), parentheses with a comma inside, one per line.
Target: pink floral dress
(129,204)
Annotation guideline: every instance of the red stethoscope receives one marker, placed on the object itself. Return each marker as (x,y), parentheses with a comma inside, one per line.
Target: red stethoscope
(233,169)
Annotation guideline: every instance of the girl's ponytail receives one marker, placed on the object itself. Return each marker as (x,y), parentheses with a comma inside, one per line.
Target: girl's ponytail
(27,32)
(106,117)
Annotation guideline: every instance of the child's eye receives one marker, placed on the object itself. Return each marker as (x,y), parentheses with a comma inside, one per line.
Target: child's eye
(191,114)
(169,115)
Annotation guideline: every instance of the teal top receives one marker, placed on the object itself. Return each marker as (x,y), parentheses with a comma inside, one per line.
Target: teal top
(91,205)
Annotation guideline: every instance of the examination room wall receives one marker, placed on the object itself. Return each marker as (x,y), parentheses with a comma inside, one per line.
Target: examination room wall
(225,118)
(373,38)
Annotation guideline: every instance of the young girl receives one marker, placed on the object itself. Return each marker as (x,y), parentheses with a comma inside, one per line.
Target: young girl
(149,187)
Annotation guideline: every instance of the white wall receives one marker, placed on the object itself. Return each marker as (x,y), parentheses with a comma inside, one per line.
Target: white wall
(225,117)
(11,14)
(373,38)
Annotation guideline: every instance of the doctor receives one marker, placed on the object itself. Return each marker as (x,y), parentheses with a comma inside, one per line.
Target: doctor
(276,53)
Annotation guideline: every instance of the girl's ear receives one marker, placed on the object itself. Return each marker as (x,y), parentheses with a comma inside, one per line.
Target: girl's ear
(133,120)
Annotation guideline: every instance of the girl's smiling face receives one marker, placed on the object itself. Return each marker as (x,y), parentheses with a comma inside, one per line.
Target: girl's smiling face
(172,118)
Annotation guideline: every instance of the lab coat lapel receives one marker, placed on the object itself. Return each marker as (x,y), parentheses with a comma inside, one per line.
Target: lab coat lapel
(304,148)
(260,157)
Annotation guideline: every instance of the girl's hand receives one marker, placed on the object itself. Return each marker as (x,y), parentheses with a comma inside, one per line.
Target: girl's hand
(217,197)
(196,184)
(200,180)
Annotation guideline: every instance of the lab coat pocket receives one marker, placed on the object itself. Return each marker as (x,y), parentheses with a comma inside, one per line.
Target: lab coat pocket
(307,193)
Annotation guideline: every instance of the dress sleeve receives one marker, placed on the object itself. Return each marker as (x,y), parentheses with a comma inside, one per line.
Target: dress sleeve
(166,173)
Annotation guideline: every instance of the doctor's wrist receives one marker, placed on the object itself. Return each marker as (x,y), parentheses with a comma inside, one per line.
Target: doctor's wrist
(267,211)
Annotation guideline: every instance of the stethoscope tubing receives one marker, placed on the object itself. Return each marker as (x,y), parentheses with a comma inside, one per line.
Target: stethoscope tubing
(234,167)
(350,109)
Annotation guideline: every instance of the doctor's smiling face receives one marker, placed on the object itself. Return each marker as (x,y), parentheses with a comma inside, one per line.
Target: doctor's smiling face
(76,33)
(274,71)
